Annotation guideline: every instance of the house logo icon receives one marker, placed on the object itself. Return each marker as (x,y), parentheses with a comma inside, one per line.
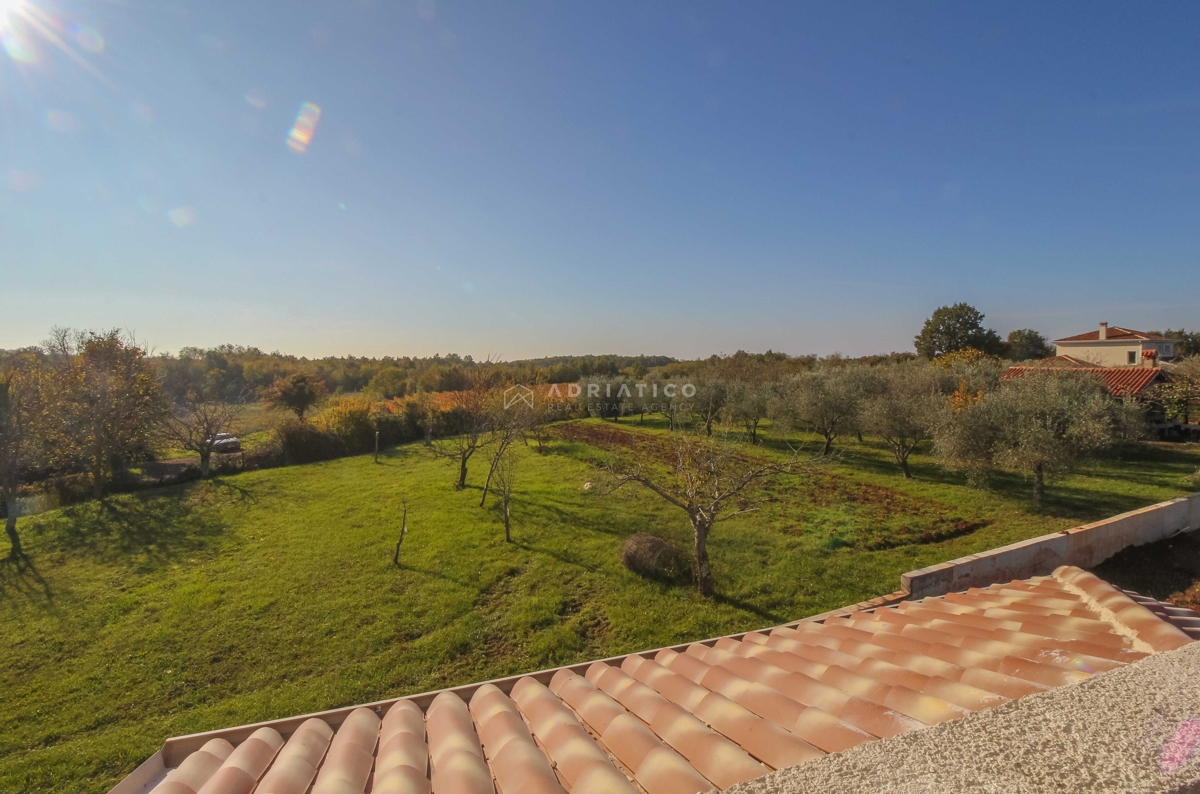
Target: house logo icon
(515,395)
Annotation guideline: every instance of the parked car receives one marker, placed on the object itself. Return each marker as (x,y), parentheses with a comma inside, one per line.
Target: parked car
(225,442)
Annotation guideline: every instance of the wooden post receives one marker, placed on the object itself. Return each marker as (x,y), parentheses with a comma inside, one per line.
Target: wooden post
(376,446)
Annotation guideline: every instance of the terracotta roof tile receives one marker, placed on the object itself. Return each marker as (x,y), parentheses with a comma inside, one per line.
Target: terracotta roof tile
(709,714)
(1120,381)
(1115,332)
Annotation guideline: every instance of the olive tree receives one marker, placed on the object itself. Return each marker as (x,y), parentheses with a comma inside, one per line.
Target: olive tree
(1043,425)
(707,477)
(903,410)
(825,401)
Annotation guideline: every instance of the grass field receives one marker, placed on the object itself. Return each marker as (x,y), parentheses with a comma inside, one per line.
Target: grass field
(272,593)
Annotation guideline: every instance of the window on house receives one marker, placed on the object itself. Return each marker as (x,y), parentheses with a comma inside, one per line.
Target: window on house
(1167,351)
(1132,356)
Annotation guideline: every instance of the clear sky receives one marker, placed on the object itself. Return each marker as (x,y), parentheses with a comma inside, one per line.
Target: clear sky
(525,179)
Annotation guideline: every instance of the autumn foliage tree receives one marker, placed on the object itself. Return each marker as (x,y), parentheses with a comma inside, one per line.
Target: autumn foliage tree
(20,411)
(297,393)
(103,401)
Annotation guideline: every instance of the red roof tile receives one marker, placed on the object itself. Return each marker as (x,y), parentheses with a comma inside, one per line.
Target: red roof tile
(1115,332)
(1120,381)
(710,714)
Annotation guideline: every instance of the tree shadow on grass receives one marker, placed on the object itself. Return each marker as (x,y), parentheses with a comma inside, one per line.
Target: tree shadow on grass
(772,618)
(20,578)
(155,529)
(232,489)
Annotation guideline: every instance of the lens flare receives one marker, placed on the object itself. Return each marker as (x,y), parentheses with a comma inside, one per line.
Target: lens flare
(182,217)
(88,38)
(12,33)
(304,128)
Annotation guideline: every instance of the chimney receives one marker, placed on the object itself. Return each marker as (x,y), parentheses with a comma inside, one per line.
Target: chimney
(1103,331)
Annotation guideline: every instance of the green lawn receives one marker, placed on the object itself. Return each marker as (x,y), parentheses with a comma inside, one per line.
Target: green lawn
(272,593)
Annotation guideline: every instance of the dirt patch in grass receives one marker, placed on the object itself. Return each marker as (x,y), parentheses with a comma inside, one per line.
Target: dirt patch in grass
(1168,570)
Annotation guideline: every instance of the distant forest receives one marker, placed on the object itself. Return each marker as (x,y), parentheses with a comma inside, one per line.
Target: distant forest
(242,374)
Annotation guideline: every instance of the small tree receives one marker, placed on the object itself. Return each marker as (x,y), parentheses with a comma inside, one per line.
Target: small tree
(19,414)
(956,327)
(709,402)
(505,473)
(707,477)
(1181,388)
(469,423)
(297,393)
(825,400)
(1025,344)
(509,424)
(902,413)
(748,405)
(194,425)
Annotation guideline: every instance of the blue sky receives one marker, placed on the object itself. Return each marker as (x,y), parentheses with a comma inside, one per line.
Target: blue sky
(563,177)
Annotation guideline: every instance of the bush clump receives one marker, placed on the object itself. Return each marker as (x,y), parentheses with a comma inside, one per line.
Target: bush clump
(301,442)
(654,558)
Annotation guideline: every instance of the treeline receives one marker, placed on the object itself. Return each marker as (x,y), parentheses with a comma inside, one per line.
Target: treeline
(246,373)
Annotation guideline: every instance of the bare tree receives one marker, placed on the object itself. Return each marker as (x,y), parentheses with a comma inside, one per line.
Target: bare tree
(403,532)
(705,476)
(509,424)
(506,479)
(195,423)
(469,423)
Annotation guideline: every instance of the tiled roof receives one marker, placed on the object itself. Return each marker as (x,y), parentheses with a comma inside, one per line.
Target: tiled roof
(1115,332)
(702,716)
(1120,381)
(1065,361)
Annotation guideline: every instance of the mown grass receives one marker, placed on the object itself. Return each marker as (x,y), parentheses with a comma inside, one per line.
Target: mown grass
(272,593)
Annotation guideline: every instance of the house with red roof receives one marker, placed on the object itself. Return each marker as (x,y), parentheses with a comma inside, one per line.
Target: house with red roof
(1114,346)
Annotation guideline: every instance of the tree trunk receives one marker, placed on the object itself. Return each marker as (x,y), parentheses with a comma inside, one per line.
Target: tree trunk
(859,436)
(704,577)
(507,532)
(1039,483)
(488,480)
(399,540)
(825,450)
(754,432)
(205,459)
(903,461)
(462,474)
(10,527)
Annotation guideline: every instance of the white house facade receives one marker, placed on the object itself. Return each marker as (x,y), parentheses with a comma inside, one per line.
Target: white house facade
(1114,346)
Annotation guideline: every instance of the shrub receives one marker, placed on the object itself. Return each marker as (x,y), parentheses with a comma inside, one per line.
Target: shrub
(654,558)
(1194,479)
(301,442)
(348,419)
